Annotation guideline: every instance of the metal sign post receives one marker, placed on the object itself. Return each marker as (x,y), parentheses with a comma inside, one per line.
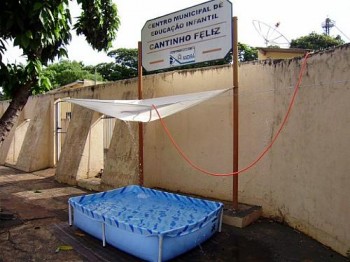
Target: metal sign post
(201,33)
(140,96)
(235,114)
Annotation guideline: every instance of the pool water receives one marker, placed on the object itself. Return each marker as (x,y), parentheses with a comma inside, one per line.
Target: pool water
(148,212)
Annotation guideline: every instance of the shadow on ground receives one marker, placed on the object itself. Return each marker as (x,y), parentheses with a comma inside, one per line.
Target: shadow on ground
(35,228)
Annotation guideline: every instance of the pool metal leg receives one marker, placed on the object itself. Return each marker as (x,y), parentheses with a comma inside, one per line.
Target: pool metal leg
(70,214)
(103,235)
(221,217)
(160,248)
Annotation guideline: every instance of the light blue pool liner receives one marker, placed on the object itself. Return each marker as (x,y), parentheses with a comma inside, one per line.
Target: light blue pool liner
(151,224)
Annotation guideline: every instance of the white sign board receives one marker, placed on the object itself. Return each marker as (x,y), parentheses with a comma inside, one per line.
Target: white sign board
(193,35)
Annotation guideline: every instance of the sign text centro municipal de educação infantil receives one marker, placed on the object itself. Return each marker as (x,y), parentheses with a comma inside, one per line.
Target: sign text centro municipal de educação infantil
(193,35)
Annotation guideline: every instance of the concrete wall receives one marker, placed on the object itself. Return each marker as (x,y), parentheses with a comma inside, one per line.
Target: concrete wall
(82,154)
(17,138)
(204,132)
(35,152)
(303,180)
(29,146)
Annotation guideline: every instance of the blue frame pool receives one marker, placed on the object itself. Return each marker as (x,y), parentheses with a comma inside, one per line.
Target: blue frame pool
(151,224)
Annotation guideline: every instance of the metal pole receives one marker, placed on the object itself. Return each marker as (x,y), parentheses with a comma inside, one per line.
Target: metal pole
(235,114)
(140,123)
(103,234)
(57,138)
(70,214)
(220,221)
(160,247)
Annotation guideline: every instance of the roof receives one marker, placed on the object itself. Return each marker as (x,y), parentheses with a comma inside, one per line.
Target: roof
(283,50)
(76,84)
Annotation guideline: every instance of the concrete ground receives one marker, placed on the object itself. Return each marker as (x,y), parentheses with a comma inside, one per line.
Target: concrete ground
(34,227)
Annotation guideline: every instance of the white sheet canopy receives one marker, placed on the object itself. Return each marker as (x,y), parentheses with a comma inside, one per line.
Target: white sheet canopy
(142,110)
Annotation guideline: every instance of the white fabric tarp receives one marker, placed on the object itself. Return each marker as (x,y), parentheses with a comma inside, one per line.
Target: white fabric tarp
(142,110)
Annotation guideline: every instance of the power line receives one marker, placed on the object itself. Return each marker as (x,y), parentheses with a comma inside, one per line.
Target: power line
(342,32)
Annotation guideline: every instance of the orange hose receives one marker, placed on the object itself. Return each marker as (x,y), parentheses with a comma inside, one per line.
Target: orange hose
(262,154)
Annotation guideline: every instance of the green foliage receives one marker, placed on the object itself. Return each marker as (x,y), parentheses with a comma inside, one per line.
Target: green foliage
(316,42)
(99,23)
(247,53)
(66,72)
(126,57)
(125,66)
(42,30)
(14,76)
(126,63)
(114,72)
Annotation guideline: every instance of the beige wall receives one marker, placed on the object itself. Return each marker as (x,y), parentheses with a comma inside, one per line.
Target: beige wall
(29,144)
(302,180)
(82,154)
(204,132)
(17,142)
(305,177)
(35,152)
(92,158)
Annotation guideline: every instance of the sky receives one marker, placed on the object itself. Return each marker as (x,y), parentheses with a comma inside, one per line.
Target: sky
(296,18)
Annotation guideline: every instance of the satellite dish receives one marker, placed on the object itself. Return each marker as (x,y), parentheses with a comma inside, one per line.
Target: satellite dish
(271,36)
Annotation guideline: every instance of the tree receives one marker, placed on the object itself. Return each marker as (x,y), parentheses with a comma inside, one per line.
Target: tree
(125,57)
(113,71)
(66,72)
(247,53)
(42,29)
(124,67)
(315,41)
